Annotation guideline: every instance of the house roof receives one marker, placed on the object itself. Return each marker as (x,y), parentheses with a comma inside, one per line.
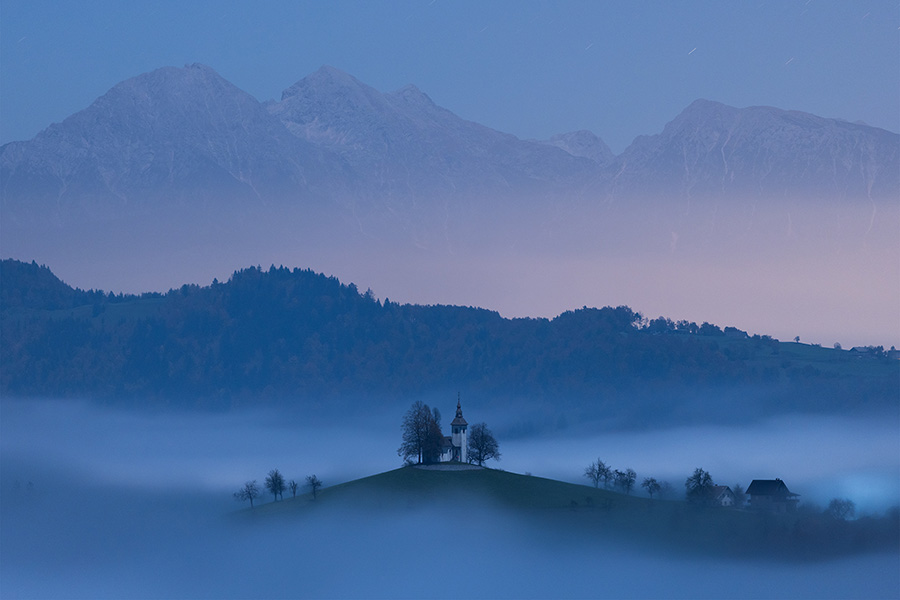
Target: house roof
(719,490)
(769,487)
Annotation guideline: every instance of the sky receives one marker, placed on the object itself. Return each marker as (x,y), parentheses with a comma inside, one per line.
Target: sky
(530,68)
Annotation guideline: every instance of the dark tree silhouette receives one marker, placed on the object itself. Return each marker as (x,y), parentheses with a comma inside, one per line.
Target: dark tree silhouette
(740,497)
(222,342)
(840,509)
(699,487)
(624,480)
(314,484)
(293,485)
(248,492)
(422,435)
(481,445)
(665,490)
(598,472)
(275,483)
(651,485)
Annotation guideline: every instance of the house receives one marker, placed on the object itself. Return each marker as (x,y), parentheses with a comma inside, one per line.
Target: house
(722,496)
(771,495)
(454,446)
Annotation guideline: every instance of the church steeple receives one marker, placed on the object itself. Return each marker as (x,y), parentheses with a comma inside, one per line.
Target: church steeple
(458,438)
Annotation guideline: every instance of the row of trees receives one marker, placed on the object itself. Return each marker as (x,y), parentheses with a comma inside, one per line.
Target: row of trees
(423,438)
(275,484)
(282,333)
(700,489)
(598,472)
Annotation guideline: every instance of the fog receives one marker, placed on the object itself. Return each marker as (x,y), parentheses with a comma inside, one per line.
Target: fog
(102,503)
(818,457)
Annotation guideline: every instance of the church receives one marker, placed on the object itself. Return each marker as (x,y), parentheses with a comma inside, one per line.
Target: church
(453,447)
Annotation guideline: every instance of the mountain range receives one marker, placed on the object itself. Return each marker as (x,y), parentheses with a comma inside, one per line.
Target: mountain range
(178,134)
(179,175)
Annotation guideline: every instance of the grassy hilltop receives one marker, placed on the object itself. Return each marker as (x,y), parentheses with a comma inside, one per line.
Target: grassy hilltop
(584,513)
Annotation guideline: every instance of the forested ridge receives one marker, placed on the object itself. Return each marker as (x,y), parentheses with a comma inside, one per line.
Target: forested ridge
(267,335)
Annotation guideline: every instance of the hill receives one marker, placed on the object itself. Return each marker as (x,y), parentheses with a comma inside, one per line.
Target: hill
(298,338)
(584,514)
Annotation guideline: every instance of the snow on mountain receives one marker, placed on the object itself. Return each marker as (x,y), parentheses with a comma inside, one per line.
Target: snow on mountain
(583,143)
(171,135)
(188,136)
(712,149)
(406,144)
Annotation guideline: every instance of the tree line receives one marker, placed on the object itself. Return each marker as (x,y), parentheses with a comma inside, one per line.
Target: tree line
(276,333)
(699,489)
(275,484)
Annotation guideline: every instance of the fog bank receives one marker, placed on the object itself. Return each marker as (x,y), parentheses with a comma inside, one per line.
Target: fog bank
(112,504)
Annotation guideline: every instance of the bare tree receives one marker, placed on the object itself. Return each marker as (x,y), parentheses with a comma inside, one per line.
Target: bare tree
(481,445)
(699,487)
(740,497)
(592,472)
(665,490)
(625,480)
(598,472)
(422,435)
(651,485)
(275,483)
(293,485)
(249,491)
(314,484)
(840,509)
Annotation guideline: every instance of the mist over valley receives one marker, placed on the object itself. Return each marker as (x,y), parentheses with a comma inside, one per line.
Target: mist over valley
(126,504)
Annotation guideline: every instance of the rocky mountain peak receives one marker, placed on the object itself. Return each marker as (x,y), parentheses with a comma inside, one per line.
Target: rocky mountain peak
(712,148)
(155,137)
(410,94)
(326,80)
(585,144)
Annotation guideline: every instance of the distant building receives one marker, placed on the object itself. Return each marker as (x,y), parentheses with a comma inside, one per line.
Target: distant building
(454,445)
(771,495)
(722,496)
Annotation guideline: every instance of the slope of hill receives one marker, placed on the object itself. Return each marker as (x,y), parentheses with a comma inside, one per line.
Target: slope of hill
(300,338)
(585,514)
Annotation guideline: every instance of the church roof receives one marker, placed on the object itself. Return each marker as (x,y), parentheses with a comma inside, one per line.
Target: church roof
(458,420)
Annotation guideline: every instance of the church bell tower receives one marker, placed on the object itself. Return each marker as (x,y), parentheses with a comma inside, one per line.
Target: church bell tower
(458,434)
